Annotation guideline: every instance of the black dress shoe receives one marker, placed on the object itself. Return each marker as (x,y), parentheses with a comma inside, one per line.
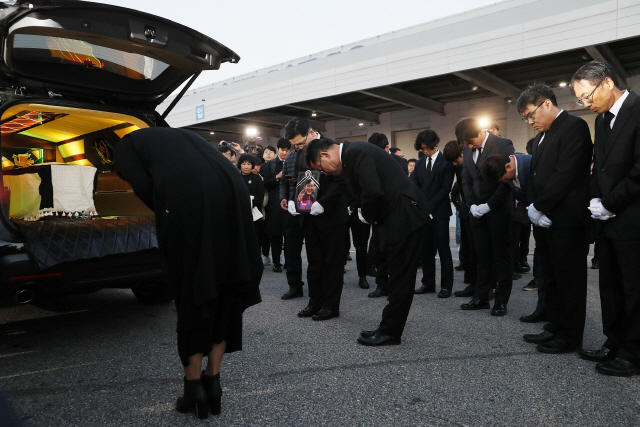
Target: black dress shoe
(459,267)
(536,316)
(424,289)
(379,292)
(522,267)
(367,334)
(444,293)
(466,292)
(349,257)
(326,314)
(308,311)
(603,354)
(378,339)
(363,282)
(499,309)
(277,268)
(531,286)
(557,346)
(293,292)
(618,367)
(475,304)
(540,338)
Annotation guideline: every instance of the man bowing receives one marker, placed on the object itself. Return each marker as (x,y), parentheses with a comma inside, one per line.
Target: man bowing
(386,197)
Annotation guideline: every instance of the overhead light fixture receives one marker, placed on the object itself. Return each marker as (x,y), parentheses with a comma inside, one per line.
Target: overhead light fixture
(360,124)
(474,87)
(562,84)
(212,133)
(484,122)
(251,132)
(313,114)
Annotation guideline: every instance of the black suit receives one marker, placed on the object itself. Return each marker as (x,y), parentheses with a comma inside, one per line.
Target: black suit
(436,186)
(490,231)
(388,198)
(360,232)
(467,251)
(404,163)
(325,235)
(559,188)
(616,180)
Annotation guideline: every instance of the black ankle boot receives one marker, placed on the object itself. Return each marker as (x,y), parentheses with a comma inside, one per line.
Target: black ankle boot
(214,392)
(195,398)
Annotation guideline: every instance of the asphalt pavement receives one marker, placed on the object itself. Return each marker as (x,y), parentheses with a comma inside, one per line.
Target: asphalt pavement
(104,359)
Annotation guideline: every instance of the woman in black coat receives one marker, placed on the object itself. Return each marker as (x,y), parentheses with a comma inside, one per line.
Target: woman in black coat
(203,222)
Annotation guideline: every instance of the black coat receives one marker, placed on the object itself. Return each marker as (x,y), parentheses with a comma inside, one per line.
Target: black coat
(256,189)
(476,189)
(404,163)
(203,217)
(559,181)
(439,185)
(386,196)
(616,171)
(275,216)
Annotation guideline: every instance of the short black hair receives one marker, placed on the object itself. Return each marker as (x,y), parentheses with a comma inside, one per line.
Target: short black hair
(412,160)
(595,72)
(427,137)
(467,128)
(316,147)
(495,126)
(535,95)
(284,143)
(259,160)
(296,126)
(224,148)
(452,151)
(530,145)
(379,140)
(250,158)
(394,150)
(493,167)
(270,148)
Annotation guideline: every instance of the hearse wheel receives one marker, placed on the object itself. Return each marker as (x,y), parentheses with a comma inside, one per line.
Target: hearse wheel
(153,292)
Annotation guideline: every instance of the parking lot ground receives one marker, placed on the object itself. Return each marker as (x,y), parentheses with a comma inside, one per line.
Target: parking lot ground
(105,359)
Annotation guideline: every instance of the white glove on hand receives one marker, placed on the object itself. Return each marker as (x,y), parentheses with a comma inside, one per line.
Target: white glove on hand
(598,211)
(544,221)
(292,208)
(534,214)
(361,217)
(478,210)
(316,209)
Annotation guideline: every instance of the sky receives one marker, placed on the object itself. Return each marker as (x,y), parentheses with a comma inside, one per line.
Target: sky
(269,32)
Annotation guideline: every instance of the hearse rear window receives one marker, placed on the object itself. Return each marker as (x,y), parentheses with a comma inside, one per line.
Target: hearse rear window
(28,47)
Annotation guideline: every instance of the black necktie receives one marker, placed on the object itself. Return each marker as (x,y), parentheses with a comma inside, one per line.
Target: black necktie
(479,154)
(608,116)
(427,175)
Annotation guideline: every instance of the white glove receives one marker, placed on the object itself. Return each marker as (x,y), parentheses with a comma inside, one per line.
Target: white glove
(292,208)
(349,210)
(544,221)
(478,210)
(534,214)
(316,209)
(361,217)
(598,211)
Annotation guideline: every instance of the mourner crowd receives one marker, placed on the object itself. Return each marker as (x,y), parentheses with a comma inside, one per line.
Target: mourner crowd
(569,190)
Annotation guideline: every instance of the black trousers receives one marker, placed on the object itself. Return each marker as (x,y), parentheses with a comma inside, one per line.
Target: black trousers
(516,240)
(276,249)
(436,236)
(563,256)
(360,232)
(326,257)
(468,248)
(537,274)
(378,260)
(523,249)
(620,294)
(403,263)
(295,239)
(491,235)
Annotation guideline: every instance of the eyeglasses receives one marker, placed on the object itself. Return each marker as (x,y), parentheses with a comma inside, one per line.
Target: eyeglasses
(301,144)
(530,115)
(587,98)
